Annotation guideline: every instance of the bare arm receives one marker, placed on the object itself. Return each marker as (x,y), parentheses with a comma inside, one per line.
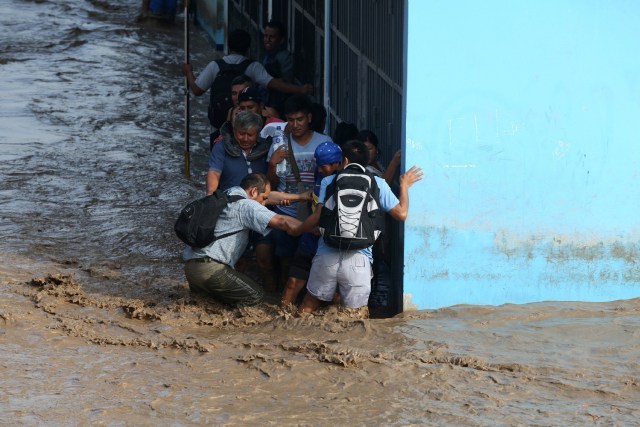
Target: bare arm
(276,158)
(187,70)
(309,224)
(280,198)
(284,222)
(410,177)
(213,180)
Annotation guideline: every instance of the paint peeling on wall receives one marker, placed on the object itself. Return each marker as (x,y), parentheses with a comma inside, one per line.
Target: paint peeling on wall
(407,304)
(455,266)
(530,161)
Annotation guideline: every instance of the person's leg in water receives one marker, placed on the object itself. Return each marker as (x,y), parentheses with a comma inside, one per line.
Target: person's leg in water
(285,265)
(298,275)
(285,249)
(309,304)
(322,283)
(266,263)
(354,280)
(221,282)
(292,289)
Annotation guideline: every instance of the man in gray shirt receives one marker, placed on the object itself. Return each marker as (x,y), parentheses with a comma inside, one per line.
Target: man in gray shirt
(210,269)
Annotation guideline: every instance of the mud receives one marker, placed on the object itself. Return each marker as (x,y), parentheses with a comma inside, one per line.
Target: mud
(98,327)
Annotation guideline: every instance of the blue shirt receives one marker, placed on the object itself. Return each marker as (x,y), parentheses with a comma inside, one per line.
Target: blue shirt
(233,169)
(388,201)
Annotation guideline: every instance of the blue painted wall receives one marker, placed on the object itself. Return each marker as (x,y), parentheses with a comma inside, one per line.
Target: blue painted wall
(525,117)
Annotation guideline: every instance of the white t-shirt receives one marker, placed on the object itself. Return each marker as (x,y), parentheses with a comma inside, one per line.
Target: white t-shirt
(255,71)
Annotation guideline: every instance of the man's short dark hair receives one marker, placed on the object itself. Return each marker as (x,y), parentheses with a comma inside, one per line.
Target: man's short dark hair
(282,30)
(239,41)
(297,104)
(344,132)
(367,135)
(255,179)
(241,79)
(356,152)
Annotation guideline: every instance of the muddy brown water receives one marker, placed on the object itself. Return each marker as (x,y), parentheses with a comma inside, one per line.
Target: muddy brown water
(97,326)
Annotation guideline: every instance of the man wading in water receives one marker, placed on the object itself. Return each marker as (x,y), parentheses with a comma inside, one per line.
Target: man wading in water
(209,270)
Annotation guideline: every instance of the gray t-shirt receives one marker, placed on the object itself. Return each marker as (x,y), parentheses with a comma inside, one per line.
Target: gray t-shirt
(242,215)
(255,70)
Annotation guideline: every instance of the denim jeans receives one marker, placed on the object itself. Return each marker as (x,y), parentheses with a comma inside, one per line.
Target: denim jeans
(222,282)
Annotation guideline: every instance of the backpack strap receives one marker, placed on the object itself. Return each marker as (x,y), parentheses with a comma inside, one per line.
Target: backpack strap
(302,207)
(230,199)
(245,64)
(292,161)
(224,65)
(331,188)
(358,167)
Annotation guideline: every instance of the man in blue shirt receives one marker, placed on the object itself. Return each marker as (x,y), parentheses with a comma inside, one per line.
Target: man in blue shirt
(242,153)
(349,271)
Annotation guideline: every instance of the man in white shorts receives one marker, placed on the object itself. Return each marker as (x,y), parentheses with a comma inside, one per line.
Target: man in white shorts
(349,271)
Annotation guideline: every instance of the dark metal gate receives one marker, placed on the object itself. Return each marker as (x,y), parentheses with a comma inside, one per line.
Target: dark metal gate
(366,69)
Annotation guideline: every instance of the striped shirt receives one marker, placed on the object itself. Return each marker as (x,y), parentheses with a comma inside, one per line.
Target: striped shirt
(305,159)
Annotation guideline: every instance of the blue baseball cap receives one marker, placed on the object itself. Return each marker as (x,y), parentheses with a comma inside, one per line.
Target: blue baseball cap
(328,152)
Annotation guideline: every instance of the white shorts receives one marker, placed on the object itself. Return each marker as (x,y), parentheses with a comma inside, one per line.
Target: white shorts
(349,272)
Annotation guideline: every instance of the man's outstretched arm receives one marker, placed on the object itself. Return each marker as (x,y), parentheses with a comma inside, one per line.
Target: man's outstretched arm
(309,224)
(410,177)
(284,222)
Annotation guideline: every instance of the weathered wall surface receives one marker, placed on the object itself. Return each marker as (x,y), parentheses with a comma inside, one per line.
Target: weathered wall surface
(525,118)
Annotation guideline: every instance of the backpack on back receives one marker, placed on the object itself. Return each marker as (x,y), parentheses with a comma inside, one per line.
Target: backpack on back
(220,91)
(197,221)
(351,217)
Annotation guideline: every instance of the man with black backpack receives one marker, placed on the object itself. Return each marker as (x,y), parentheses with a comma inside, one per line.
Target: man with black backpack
(350,211)
(218,75)
(209,269)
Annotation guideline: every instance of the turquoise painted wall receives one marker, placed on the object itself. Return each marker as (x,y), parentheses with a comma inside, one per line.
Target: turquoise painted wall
(525,117)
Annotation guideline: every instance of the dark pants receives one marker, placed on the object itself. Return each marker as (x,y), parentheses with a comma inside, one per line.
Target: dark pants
(221,282)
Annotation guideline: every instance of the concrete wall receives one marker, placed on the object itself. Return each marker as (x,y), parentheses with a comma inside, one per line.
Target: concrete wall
(525,117)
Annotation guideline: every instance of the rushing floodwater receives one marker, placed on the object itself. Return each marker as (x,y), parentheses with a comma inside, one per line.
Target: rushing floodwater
(96,322)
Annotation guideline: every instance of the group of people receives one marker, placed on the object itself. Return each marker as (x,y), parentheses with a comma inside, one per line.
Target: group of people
(277,218)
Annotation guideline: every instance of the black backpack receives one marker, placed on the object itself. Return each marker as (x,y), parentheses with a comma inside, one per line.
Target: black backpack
(351,217)
(220,91)
(196,223)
